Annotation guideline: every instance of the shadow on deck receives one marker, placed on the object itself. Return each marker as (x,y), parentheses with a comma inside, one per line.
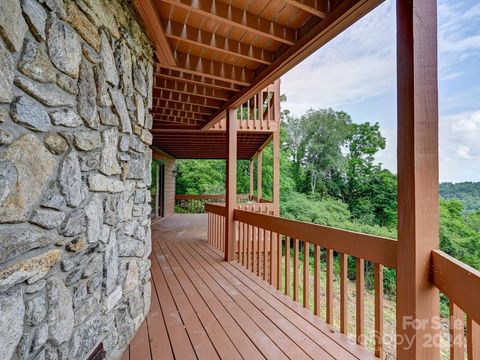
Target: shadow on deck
(205,308)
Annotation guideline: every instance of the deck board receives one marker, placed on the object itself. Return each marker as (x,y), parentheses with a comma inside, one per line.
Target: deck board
(205,308)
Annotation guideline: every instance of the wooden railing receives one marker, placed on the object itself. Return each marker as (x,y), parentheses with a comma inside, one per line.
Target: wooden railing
(195,204)
(260,113)
(460,283)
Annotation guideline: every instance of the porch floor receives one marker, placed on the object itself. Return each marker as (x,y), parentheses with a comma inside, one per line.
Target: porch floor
(205,308)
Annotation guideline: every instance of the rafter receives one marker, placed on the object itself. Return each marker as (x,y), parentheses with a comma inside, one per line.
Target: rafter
(314,7)
(176,120)
(184,98)
(181,113)
(344,15)
(228,14)
(191,35)
(198,90)
(155,31)
(195,79)
(213,69)
(198,109)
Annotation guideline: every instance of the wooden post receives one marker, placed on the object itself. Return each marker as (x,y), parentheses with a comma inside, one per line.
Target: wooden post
(231,185)
(250,168)
(259,176)
(157,188)
(276,152)
(417,154)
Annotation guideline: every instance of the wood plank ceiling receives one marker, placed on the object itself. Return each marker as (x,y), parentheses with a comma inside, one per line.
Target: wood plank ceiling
(216,54)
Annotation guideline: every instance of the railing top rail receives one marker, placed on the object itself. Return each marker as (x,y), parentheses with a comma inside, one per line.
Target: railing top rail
(458,281)
(380,250)
(218,209)
(200,197)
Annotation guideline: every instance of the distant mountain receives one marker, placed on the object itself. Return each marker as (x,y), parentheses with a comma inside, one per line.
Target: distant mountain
(467,192)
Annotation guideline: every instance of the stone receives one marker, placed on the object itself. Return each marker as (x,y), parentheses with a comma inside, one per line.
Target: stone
(5,137)
(54,201)
(76,245)
(40,337)
(108,118)
(90,306)
(12,24)
(47,94)
(121,110)
(105,16)
(85,338)
(108,160)
(36,17)
(60,312)
(70,179)
(12,312)
(94,282)
(111,263)
(29,114)
(84,27)
(148,121)
(90,54)
(35,287)
(113,299)
(94,217)
(95,265)
(135,303)
(48,219)
(18,239)
(50,352)
(137,168)
(89,161)
(128,246)
(87,140)
(137,129)
(56,143)
(146,137)
(124,143)
(25,170)
(108,63)
(75,224)
(147,297)
(136,145)
(36,309)
(103,98)
(150,86)
(140,110)
(101,183)
(66,117)
(64,46)
(57,7)
(139,81)
(132,278)
(35,63)
(87,94)
(124,65)
(7,73)
(66,83)
(79,294)
(74,277)
(30,270)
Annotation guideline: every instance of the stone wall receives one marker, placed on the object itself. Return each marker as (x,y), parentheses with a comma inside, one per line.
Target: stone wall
(75,89)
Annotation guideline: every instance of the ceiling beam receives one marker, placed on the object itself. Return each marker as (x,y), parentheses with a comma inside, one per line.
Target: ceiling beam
(344,15)
(213,69)
(230,15)
(182,113)
(199,90)
(194,36)
(195,79)
(166,104)
(176,120)
(189,99)
(154,28)
(315,7)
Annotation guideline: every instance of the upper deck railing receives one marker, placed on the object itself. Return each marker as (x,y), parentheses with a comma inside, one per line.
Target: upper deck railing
(279,251)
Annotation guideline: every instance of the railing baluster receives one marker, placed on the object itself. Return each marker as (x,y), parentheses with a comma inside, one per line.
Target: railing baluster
(249,249)
(378,278)
(240,244)
(255,249)
(295,269)
(343,294)
(272,258)
(245,244)
(360,282)
(265,255)
(473,339)
(329,310)
(316,281)
(457,328)
(287,266)
(279,260)
(306,274)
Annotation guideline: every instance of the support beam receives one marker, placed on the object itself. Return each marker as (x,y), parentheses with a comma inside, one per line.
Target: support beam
(162,104)
(417,156)
(155,31)
(276,150)
(199,90)
(259,176)
(250,170)
(185,98)
(231,185)
(314,7)
(233,16)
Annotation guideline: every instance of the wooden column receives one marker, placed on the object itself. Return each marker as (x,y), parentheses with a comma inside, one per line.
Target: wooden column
(157,188)
(417,154)
(259,176)
(231,184)
(276,151)
(250,169)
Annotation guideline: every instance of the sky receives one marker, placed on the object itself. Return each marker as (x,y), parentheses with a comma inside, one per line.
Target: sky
(356,73)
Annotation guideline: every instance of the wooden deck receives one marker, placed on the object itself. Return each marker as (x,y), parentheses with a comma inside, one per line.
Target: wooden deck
(205,308)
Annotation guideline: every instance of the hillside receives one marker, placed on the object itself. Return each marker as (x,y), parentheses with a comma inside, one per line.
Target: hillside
(467,192)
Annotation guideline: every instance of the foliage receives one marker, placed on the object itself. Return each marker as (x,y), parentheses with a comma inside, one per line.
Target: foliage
(467,192)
